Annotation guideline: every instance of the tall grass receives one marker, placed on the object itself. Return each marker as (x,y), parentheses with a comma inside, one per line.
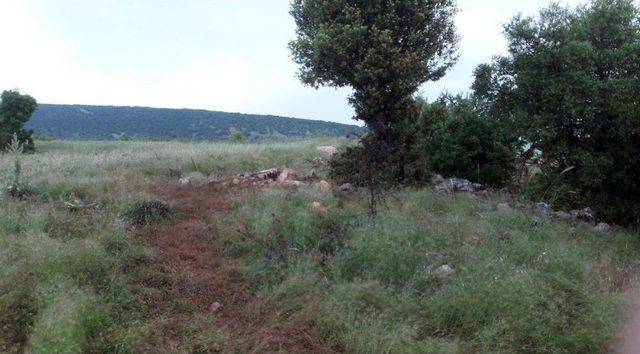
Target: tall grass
(79,280)
(520,284)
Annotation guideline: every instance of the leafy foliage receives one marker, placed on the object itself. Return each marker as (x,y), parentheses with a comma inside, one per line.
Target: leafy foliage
(458,139)
(383,50)
(569,89)
(127,123)
(15,110)
(453,136)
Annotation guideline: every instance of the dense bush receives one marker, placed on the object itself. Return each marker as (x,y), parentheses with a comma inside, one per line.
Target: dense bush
(452,136)
(457,139)
(15,111)
(569,88)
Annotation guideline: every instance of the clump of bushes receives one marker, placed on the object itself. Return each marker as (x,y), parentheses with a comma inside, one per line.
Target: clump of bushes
(569,92)
(452,136)
(146,212)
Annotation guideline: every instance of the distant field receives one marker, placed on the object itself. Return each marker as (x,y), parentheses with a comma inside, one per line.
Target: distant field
(234,268)
(83,122)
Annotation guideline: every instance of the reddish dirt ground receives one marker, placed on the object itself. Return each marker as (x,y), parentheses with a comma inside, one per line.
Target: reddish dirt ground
(212,283)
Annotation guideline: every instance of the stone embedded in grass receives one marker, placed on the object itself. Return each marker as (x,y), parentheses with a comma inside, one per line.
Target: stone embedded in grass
(562,215)
(346,187)
(453,185)
(503,207)
(444,271)
(603,227)
(585,215)
(544,209)
(319,207)
(287,174)
(323,187)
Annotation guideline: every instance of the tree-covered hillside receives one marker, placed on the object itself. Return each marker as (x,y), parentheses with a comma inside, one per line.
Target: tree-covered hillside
(110,123)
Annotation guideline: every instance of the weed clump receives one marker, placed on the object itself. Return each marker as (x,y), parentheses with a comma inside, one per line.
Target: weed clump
(146,212)
(17,188)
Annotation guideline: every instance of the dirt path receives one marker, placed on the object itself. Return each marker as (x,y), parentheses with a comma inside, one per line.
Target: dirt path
(214,284)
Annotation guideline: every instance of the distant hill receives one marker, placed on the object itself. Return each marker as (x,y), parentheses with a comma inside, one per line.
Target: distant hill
(111,123)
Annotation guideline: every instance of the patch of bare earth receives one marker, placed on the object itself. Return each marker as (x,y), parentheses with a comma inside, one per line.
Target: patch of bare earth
(214,284)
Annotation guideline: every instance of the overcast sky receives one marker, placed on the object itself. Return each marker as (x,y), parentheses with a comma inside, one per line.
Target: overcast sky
(228,55)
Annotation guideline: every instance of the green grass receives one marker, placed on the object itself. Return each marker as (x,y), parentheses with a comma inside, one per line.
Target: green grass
(520,284)
(81,281)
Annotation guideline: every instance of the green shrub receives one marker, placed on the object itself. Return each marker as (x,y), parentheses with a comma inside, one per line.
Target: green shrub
(458,140)
(452,137)
(146,212)
(570,93)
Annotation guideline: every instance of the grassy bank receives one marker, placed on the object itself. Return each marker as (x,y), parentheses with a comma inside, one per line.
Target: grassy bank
(82,281)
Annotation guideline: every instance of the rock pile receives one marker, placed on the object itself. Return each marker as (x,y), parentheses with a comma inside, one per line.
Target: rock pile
(270,177)
(452,185)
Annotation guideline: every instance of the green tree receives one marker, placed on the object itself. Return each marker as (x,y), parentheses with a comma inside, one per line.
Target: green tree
(569,88)
(382,49)
(15,110)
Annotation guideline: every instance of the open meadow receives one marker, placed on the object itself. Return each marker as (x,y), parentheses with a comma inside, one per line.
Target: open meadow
(108,253)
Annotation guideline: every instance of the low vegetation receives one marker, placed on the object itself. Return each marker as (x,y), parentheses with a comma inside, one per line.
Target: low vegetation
(80,280)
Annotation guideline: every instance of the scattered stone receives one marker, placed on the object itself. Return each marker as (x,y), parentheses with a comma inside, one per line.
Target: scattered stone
(323,187)
(271,173)
(544,209)
(573,231)
(562,215)
(329,150)
(292,184)
(503,207)
(215,307)
(453,185)
(535,222)
(287,174)
(585,214)
(236,181)
(444,271)
(184,181)
(346,187)
(319,207)
(603,227)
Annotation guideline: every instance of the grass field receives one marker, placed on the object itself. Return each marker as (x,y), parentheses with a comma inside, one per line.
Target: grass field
(236,269)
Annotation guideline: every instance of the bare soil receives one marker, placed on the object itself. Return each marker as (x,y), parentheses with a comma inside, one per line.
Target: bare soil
(185,246)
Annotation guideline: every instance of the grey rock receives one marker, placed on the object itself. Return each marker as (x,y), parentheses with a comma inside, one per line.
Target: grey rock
(573,231)
(603,227)
(346,187)
(585,214)
(503,207)
(453,185)
(544,209)
(444,271)
(562,215)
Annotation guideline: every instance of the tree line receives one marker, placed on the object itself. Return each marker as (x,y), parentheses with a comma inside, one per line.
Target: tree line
(564,102)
